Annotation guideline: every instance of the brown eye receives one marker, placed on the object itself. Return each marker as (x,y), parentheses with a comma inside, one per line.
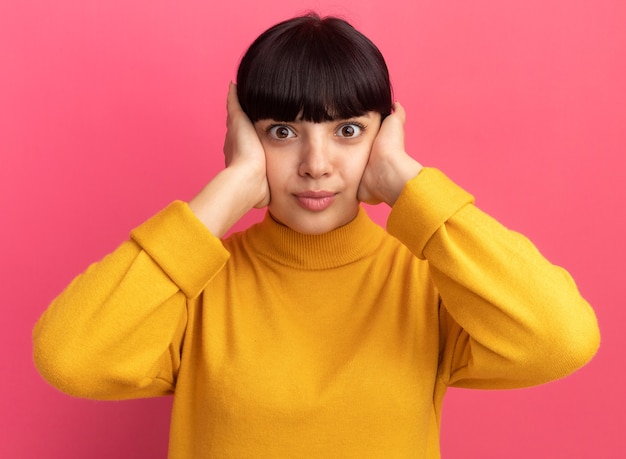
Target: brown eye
(281,132)
(349,130)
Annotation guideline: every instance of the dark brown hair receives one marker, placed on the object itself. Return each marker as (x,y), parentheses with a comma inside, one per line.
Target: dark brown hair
(312,68)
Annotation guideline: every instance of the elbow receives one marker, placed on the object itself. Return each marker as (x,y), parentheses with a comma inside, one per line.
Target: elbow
(64,366)
(87,372)
(60,370)
(579,344)
(555,345)
(573,335)
(77,376)
(568,346)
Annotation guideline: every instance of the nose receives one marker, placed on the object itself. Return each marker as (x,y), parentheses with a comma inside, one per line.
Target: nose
(315,159)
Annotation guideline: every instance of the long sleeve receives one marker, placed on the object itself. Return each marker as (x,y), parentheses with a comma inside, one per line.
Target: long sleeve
(116,330)
(508,317)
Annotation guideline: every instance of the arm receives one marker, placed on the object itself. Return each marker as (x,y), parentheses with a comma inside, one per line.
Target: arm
(116,331)
(509,318)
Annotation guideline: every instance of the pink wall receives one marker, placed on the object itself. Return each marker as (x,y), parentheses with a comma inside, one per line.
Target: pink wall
(111,109)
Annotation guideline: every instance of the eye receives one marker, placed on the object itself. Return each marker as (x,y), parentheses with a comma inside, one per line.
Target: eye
(350,130)
(280,132)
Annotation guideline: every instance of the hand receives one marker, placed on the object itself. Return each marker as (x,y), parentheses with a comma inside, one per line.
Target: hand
(242,185)
(389,166)
(242,147)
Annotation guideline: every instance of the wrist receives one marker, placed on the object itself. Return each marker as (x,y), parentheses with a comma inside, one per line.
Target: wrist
(248,185)
(399,174)
(226,198)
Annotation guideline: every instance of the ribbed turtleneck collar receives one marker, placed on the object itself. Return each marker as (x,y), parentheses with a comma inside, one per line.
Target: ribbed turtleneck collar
(344,245)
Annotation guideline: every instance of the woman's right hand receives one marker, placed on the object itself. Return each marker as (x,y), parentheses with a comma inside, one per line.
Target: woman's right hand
(242,147)
(242,185)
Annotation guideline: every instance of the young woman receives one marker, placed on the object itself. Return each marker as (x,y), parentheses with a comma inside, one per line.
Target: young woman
(315,333)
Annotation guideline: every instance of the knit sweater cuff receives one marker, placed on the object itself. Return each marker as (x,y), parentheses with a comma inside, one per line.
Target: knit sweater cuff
(183,247)
(425,204)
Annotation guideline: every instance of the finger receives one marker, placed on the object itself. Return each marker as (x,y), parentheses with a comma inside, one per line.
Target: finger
(232,101)
(399,111)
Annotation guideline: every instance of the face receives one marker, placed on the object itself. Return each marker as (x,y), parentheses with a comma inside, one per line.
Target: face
(314,169)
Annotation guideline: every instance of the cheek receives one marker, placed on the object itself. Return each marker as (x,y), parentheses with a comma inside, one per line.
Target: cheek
(358,161)
(272,171)
(277,169)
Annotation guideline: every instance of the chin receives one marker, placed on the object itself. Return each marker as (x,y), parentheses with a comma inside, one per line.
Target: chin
(312,224)
(312,230)
(308,227)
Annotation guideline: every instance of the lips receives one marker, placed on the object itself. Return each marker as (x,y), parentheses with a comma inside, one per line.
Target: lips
(315,201)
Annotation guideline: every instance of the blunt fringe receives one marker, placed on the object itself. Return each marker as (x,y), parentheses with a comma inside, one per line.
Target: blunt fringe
(314,69)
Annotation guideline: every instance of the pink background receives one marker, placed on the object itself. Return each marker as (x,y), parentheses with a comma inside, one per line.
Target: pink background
(111,109)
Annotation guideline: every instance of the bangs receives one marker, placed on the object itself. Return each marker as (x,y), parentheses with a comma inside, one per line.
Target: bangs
(315,70)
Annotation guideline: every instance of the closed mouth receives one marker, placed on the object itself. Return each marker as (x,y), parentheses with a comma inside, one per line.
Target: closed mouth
(315,201)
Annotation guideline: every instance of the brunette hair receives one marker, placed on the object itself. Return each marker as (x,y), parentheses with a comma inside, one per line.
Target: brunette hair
(314,69)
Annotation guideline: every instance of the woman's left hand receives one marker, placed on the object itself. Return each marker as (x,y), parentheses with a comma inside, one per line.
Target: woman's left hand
(389,166)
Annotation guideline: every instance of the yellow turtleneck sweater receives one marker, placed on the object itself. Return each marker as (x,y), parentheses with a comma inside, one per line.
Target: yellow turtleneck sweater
(283,345)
